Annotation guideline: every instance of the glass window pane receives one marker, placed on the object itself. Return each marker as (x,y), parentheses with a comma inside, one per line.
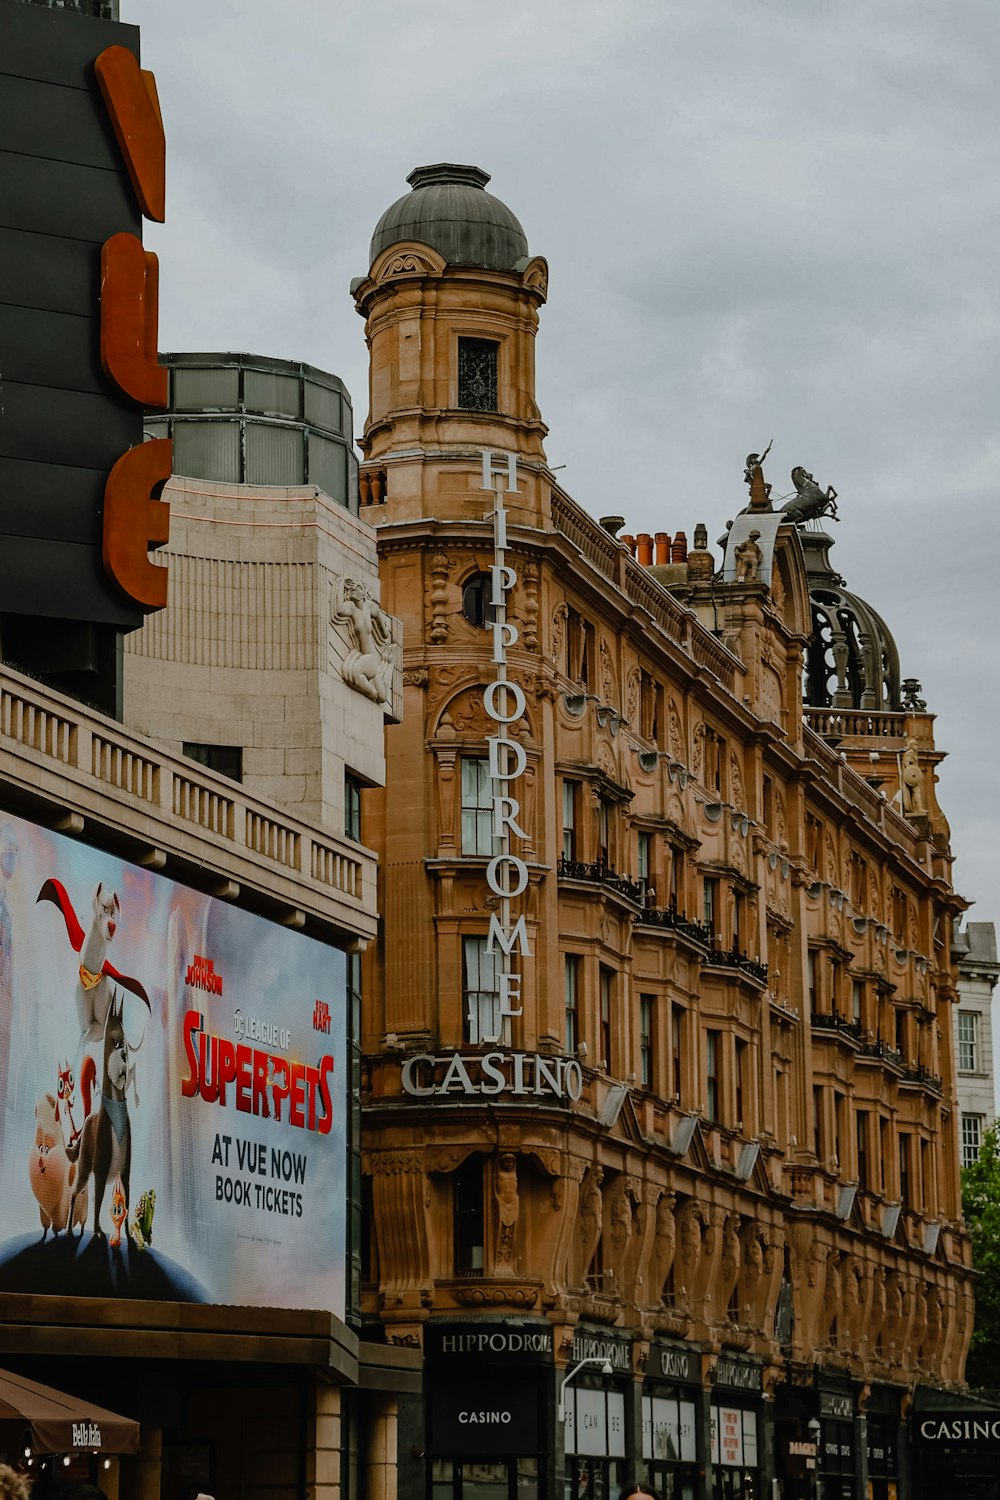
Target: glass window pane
(322,406)
(207,450)
(274,394)
(195,389)
(328,467)
(274,455)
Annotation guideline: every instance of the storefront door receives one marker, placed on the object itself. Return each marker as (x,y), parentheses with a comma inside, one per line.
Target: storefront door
(502,1479)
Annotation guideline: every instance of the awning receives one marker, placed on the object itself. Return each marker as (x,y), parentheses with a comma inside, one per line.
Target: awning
(54,1422)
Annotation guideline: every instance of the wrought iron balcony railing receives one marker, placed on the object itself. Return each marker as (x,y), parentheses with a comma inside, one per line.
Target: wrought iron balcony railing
(824,1021)
(732,958)
(676,921)
(599,872)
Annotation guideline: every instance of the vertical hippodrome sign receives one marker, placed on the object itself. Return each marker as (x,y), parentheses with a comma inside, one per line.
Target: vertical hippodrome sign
(135,519)
(506,873)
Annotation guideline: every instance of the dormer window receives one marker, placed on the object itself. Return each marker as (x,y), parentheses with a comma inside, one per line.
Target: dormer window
(477,375)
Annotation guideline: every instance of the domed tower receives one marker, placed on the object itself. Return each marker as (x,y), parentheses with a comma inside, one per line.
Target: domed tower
(854,698)
(450,304)
(852,661)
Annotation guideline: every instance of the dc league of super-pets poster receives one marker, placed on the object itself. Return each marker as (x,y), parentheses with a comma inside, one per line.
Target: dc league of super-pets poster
(172,1089)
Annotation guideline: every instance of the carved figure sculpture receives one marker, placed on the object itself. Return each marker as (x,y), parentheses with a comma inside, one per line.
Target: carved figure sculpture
(809,501)
(912,779)
(591,1216)
(508,1207)
(369,666)
(665,1238)
(620,1227)
(748,558)
(689,1249)
(730,1264)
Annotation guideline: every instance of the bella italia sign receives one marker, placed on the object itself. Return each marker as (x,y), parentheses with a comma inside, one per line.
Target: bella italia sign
(506,873)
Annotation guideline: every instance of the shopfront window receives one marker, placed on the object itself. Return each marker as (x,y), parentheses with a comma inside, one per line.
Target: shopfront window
(734,1453)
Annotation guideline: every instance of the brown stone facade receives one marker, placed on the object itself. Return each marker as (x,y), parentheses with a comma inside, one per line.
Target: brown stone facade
(721,1133)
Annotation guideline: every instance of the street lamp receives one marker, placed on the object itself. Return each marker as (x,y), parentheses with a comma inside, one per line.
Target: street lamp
(592,1359)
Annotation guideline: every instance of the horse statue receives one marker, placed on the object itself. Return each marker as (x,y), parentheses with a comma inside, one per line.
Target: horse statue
(809,501)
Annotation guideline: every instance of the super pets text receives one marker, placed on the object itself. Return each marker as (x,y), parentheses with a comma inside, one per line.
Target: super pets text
(262,1082)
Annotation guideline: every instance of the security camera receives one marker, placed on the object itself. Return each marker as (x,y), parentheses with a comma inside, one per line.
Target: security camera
(606,1368)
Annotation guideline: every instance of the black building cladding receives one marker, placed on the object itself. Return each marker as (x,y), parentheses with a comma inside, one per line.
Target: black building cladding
(64,191)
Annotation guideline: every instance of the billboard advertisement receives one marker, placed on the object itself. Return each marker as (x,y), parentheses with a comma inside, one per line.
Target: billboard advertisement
(173,1107)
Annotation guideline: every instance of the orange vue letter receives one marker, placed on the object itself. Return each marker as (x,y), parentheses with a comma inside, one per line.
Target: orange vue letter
(130,284)
(129,94)
(136,520)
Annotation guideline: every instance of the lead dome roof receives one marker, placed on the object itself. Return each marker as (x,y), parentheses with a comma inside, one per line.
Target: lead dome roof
(449,209)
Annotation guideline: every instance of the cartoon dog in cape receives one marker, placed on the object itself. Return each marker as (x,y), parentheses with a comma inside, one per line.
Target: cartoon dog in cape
(93,988)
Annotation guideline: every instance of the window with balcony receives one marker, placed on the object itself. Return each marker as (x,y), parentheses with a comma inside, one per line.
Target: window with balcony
(675,896)
(477,806)
(604,830)
(857,1001)
(972,1139)
(468,1217)
(968,1041)
(710,904)
(571,1002)
(647,1020)
(643,861)
(480,992)
(570,800)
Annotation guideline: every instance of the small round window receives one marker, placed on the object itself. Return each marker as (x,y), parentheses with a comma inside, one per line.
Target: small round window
(476,606)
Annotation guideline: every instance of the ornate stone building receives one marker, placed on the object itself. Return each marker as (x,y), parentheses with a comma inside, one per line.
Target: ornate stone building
(659,1146)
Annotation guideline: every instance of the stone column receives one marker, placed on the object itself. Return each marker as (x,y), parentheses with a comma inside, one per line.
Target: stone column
(380,1447)
(147,1463)
(323,1461)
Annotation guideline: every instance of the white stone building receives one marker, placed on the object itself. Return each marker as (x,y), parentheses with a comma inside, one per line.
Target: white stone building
(978,968)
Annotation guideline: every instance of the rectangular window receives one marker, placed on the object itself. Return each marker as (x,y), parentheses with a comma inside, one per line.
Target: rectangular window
(968,1041)
(480,992)
(818,1123)
(901,1032)
(607,986)
(767,808)
(469,1216)
(352,807)
(676,895)
(677,1027)
(572,1002)
(477,806)
(570,793)
(647,1015)
(972,1139)
(857,1000)
(713,1055)
(739,921)
(836,986)
(477,375)
(861,1126)
(814,842)
(742,1085)
(227,760)
(813,995)
(904,1169)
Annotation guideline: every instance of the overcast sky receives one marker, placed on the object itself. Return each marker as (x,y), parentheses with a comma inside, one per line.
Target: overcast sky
(766,219)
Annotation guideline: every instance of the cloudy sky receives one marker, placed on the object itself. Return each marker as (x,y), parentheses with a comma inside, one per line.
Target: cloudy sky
(768,219)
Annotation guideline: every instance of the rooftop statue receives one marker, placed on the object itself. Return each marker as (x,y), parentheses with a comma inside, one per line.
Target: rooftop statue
(753,475)
(809,502)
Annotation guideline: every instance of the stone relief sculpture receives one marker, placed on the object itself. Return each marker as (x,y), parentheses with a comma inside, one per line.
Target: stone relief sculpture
(664,1239)
(620,1227)
(809,501)
(370,664)
(507,1206)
